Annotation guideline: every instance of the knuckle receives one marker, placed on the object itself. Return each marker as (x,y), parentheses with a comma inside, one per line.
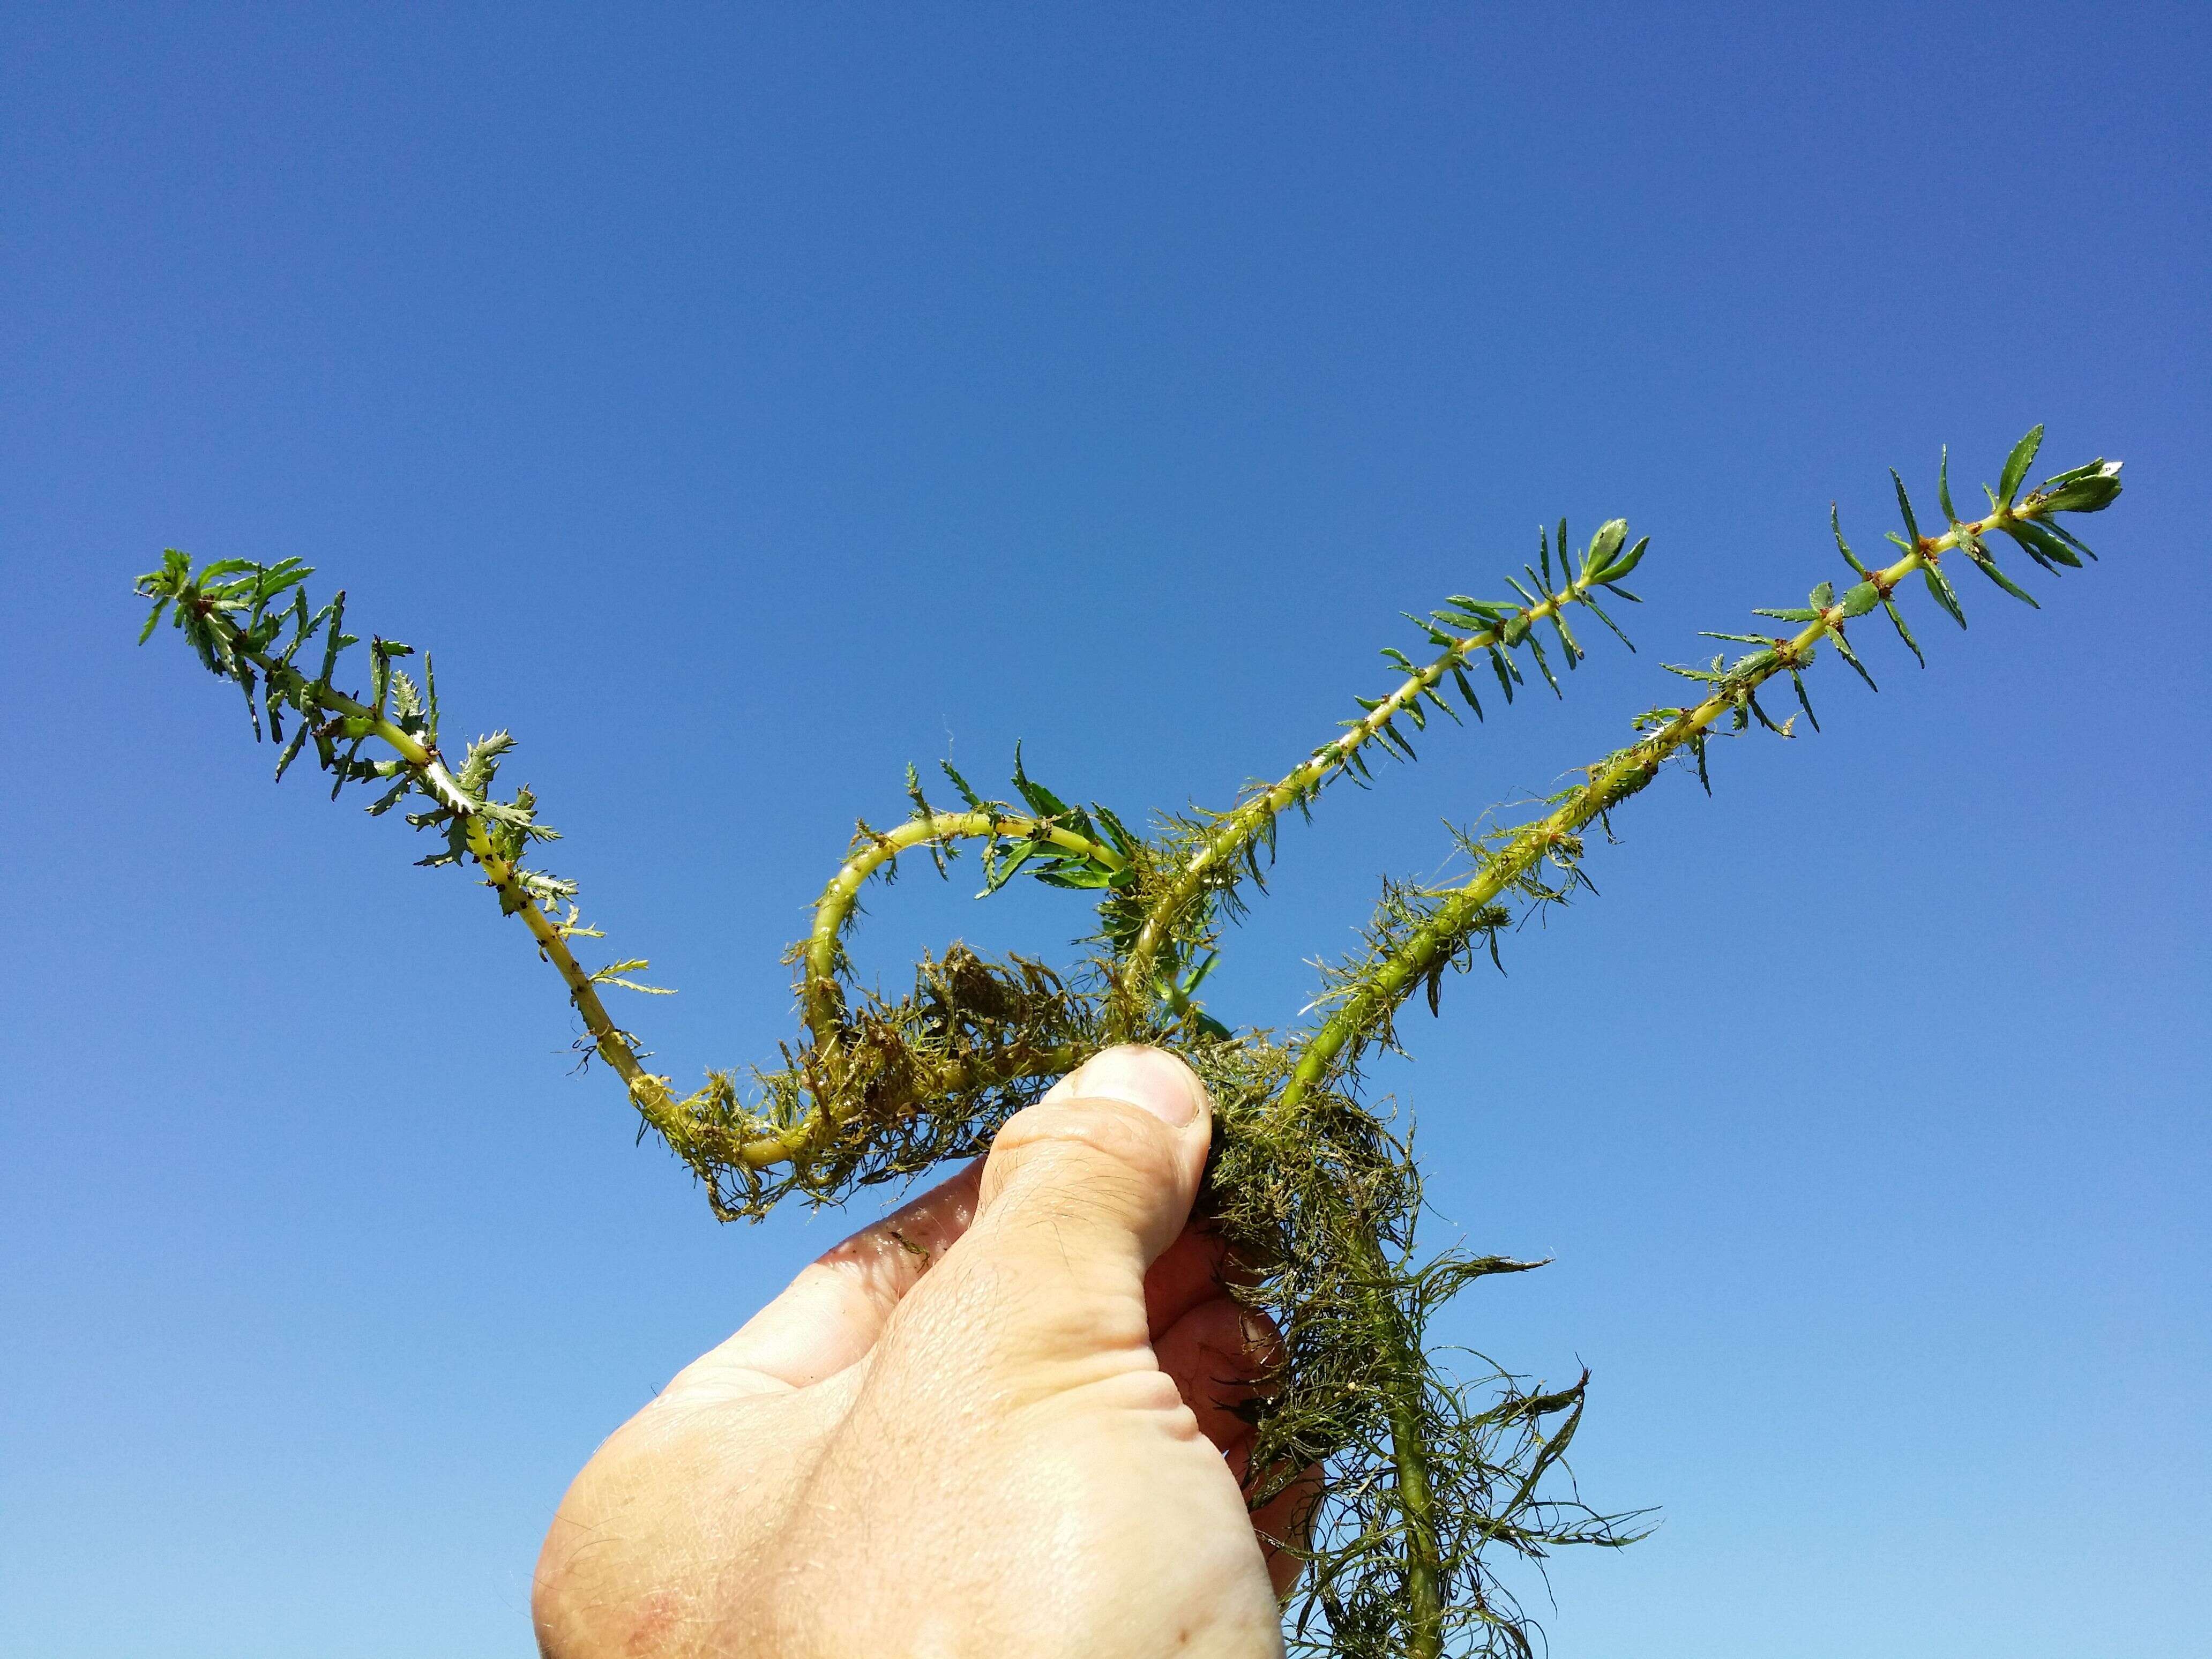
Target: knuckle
(1110,1136)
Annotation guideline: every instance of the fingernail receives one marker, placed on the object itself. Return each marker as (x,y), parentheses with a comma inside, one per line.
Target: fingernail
(1158,1081)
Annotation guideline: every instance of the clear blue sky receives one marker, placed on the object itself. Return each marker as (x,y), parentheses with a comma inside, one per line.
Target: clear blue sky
(743,402)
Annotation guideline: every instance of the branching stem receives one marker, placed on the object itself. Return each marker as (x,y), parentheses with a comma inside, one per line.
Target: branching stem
(878,1089)
(1382,991)
(1612,782)
(651,1093)
(1244,827)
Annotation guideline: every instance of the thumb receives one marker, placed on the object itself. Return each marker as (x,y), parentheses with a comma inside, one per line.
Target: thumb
(1108,1161)
(1080,1194)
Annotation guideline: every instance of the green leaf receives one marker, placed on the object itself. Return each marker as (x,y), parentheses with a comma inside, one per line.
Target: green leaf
(1459,678)
(1536,649)
(1209,1026)
(1843,650)
(613,973)
(1858,601)
(1904,632)
(1117,831)
(1042,800)
(2086,489)
(1988,567)
(2044,548)
(336,641)
(1488,611)
(2017,463)
(1615,569)
(391,797)
(1598,610)
(291,751)
(1942,496)
(1836,525)
(1604,546)
(1904,506)
(1749,699)
(480,764)
(1077,874)
(1822,597)
(153,616)
(1567,640)
(1805,703)
(1009,864)
(253,710)
(2052,528)
(968,794)
(1946,595)
(279,577)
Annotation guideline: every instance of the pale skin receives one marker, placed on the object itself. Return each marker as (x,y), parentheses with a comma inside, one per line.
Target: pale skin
(1002,1421)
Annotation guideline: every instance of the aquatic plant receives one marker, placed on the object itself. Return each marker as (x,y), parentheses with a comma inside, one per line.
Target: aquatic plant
(1425,1478)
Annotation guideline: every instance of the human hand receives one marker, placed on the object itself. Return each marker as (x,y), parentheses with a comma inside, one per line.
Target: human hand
(1001,1421)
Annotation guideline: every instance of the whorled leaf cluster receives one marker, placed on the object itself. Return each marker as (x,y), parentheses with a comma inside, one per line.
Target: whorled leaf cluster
(1427,1480)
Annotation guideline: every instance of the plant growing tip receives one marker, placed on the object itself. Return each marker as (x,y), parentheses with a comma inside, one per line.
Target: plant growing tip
(1427,1480)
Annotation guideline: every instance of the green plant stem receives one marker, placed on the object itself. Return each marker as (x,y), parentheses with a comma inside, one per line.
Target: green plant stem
(1402,1379)
(612,1043)
(651,1094)
(1401,1370)
(954,1076)
(1612,782)
(1241,828)
(824,1006)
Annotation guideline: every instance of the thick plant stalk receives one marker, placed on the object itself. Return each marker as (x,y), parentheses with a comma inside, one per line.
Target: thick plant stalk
(1401,1374)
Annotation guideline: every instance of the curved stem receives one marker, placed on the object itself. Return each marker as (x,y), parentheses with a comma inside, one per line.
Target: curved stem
(1243,827)
(649,1092)
(1612,780)
(824,1007)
